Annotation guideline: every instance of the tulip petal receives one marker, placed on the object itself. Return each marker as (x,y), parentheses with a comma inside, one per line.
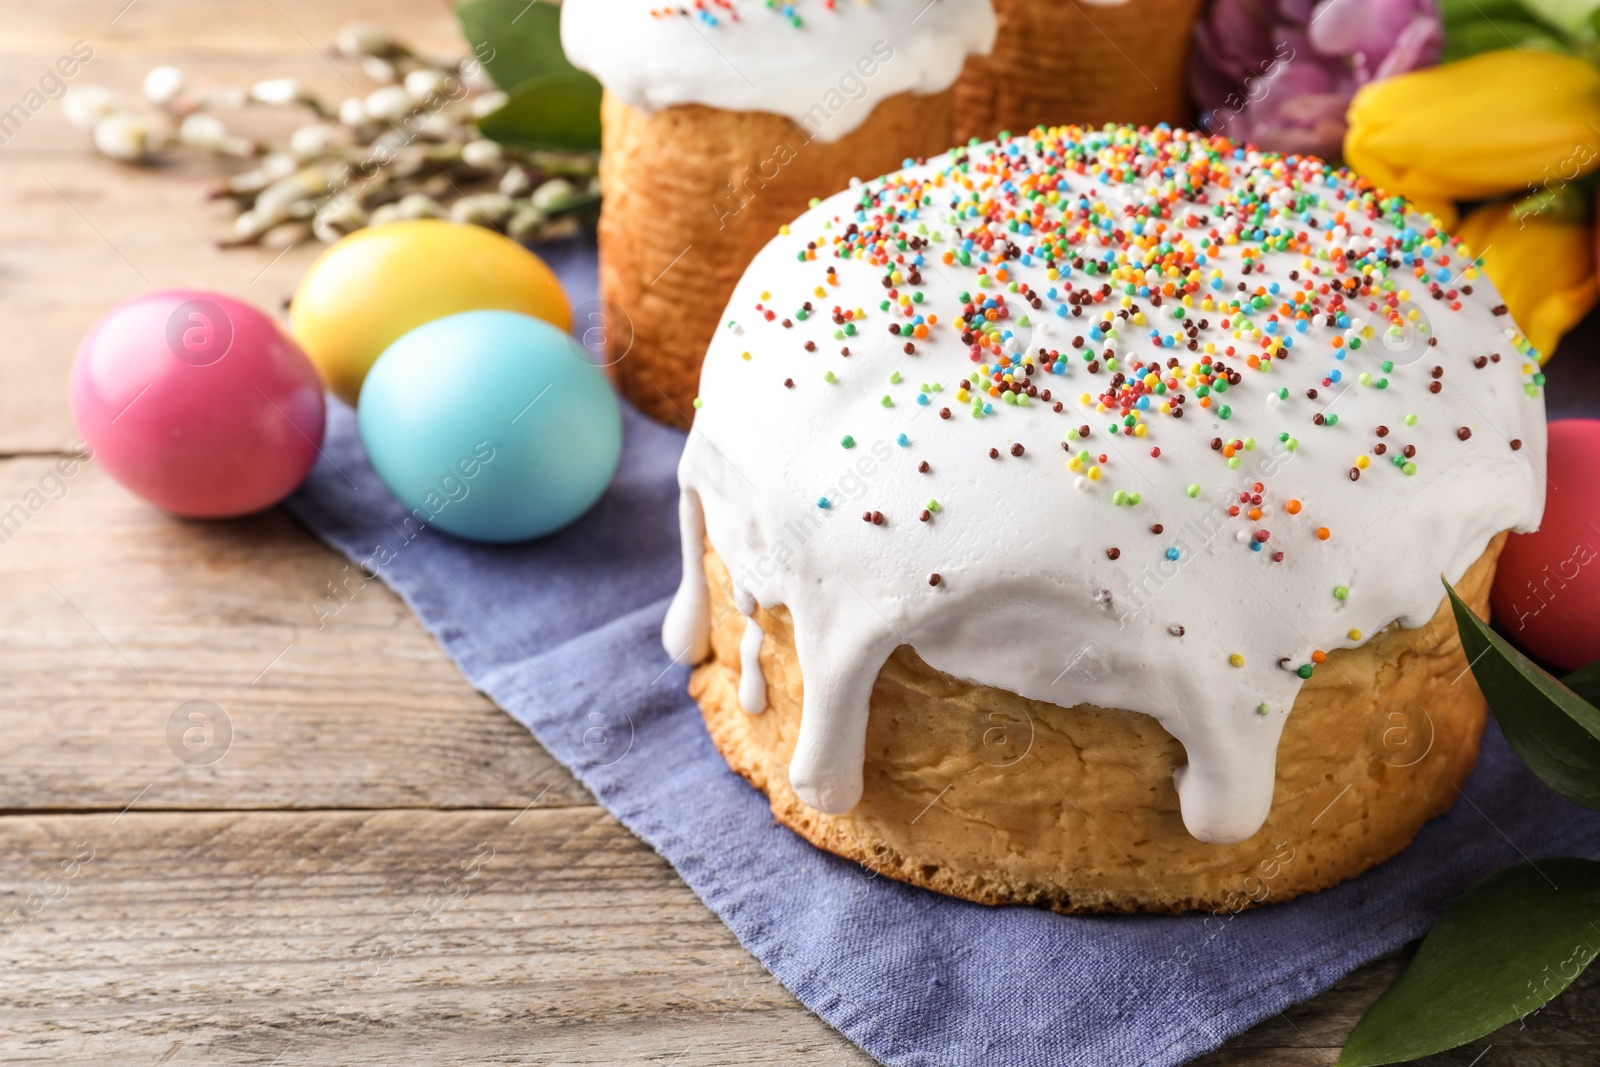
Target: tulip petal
(1418,45)
(1544,268)
(1364,27)
(1483,127)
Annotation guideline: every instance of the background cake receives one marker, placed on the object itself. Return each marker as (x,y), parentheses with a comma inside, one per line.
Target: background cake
(1084,63)
(1125,444)
(724,120)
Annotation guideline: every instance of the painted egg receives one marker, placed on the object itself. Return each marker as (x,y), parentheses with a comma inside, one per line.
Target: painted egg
(378,283)
(1547,587)
(490,425)
(198,403)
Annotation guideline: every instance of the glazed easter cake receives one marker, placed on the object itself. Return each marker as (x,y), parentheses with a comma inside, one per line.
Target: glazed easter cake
(1086,62)
(1064,520)
(722,119)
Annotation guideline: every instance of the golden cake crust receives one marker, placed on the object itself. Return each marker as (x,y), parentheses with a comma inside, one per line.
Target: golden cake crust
(691,194)
(979,793)
(1103,63)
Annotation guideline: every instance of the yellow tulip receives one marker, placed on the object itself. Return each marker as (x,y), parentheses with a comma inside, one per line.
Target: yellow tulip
(1509,122)
(1543,266)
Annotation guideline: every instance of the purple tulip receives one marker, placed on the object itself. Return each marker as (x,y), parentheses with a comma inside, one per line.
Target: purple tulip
(1280,73)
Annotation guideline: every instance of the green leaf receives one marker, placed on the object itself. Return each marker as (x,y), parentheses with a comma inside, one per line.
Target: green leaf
(1494,34)
(517,40)
(1475,26)
(1500,950)
(558,111)
(1571,16)
(1565,203)
(1570,201)
(1585,682)
(1460,12)
(1554,731)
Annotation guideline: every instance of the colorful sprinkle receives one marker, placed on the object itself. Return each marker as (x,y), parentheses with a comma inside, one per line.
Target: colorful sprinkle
(1163,281)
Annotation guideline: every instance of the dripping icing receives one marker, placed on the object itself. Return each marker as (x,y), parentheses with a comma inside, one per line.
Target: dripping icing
(686,632)
(752,683)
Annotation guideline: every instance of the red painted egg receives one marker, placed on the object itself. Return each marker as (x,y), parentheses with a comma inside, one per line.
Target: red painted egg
(1547,589)
(198,403)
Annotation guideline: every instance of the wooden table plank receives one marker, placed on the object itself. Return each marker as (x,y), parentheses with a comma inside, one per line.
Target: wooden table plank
(169,29)
(420,937)
(112,615)
(373,938)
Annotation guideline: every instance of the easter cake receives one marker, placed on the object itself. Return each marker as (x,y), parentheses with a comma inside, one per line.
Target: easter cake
(1107,60)
(721,120)
(1064,521)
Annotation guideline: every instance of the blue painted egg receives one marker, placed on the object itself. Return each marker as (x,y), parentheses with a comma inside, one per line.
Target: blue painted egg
(491,425)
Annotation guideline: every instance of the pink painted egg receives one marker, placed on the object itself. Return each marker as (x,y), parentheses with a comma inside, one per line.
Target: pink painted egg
(198,403)
(1547,589)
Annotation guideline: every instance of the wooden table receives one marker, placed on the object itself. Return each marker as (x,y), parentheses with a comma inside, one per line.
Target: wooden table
(381,867)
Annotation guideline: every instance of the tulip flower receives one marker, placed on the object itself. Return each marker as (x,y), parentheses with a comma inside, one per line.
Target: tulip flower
(1280,73)
(1543,264)
(1516,121)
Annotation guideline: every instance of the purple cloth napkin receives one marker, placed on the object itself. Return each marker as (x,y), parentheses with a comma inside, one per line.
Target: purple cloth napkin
(564,634)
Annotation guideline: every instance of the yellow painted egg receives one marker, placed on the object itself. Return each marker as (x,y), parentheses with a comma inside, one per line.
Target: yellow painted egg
(366,291)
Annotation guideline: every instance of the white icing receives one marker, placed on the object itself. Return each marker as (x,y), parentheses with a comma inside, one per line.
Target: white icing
(752,683)
(827,74)
(1028,599)
(686,633)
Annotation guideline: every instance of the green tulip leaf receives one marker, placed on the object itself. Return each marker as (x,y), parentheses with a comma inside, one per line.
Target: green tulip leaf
(557,111)
(1555,731)
(1570,16)
(1457,13)
(1502,949)
(1585,682)
(516,40)
(1478,35)
(1569,202)
(1493,35)
(1461,12)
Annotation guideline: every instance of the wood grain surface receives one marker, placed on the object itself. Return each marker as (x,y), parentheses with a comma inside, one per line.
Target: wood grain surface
(358,859)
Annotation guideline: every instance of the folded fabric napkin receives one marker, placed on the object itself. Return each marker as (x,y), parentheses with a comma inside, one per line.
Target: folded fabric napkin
(564,634)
